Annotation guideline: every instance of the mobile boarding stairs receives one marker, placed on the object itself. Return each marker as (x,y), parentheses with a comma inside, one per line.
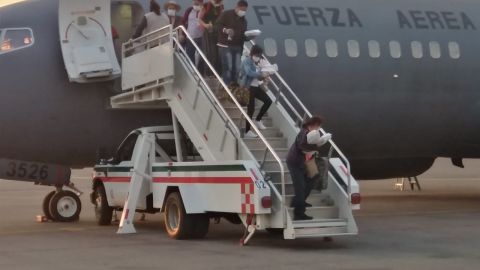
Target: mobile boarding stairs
(157,73)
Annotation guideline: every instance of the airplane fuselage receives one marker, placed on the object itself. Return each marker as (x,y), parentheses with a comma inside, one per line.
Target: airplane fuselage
(392,106)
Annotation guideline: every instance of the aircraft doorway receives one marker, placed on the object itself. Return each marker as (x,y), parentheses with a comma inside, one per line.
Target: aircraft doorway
(126,16)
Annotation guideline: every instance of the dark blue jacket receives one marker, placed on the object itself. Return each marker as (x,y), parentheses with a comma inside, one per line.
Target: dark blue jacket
(296,155)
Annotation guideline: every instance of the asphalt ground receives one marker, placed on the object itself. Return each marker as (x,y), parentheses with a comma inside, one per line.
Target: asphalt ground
(437,228)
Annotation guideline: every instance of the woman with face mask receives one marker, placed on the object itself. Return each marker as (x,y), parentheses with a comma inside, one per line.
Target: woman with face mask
(208,17)
(251,77)
(172,9)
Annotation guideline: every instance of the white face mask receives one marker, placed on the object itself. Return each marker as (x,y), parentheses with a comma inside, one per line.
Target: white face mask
(197,7)
(241,13)
(256,59)
(171,12)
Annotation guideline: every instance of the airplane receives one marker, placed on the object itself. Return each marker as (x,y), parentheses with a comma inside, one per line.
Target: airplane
(396,81)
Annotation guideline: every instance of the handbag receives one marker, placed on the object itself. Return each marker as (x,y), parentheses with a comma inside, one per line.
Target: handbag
(311,166)
(242,95)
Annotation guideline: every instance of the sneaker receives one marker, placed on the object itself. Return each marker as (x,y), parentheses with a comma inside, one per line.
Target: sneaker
(260,125)
(251,135)
(302,217)
(308,205)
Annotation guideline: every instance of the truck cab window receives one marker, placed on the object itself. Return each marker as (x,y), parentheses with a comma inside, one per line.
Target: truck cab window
(125,151)
(13,39)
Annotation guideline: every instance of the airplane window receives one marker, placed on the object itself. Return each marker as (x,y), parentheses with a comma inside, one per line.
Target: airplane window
(332,48)
(417,49)
(454,50)
(311,48)
(374,49)
(291,48)
(353,48)
(435,51)
(270,46)
(395,49)
(15,38)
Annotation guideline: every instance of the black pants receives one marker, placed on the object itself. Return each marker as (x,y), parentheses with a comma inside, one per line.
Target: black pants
(257,93)
(302,185)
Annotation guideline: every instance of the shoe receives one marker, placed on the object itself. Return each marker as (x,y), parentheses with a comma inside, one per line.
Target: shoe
(302,217)
(260,125)
(308,205)
(251,135)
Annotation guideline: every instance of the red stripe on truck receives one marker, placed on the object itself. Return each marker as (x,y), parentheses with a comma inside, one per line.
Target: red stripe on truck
(203,180)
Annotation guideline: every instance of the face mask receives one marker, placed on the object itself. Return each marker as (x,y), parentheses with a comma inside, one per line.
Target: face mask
(197,7)
(241,13)
(256,59)
(171,12)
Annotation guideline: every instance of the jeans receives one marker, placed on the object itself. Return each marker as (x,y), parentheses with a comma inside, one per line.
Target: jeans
(191,51)
(230,58)
(302,185)
(257,93)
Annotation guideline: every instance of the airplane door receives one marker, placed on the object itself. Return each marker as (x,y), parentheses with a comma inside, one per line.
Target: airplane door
(86,40)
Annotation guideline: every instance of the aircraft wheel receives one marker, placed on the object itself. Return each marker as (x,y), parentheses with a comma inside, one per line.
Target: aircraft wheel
(180,225)
(103,212)
(65,206)
(46,205)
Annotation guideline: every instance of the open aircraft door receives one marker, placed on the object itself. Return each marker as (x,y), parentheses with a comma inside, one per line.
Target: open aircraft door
(86,40)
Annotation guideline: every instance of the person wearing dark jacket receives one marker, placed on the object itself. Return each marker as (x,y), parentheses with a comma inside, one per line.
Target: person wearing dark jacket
(296,164)
(208,17)
(231,27)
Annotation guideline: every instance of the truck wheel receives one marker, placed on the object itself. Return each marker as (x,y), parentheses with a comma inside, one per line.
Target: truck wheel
(178,224)
(103,212)
(201,223)
(46,205)
(65,206)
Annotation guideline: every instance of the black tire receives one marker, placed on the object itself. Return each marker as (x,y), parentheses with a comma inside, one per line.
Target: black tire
(201,223)
(46,205)
(65,206)
(103,212)
(180,225)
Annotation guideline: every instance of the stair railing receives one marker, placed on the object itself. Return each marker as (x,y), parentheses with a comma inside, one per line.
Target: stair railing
(300,112)
(182,31)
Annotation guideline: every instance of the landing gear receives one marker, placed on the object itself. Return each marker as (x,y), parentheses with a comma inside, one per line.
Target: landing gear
(46,205)
(62,206)
(65,206)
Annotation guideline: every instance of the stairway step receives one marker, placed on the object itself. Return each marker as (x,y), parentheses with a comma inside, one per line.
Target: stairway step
(275,176)
(321,232)
(315,199)
(320,212)
(320,223)
(259,153)
(275,142)
(233,111)
(267,121)
(273,165)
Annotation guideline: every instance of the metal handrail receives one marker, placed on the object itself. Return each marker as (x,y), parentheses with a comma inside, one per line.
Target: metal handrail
(143,40)
(240,107)
(309,114)
(229,121)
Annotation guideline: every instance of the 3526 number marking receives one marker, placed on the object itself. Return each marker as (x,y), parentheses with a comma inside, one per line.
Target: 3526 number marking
(29,171)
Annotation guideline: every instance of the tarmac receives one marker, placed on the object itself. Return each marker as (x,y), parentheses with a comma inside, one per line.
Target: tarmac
(436,228)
